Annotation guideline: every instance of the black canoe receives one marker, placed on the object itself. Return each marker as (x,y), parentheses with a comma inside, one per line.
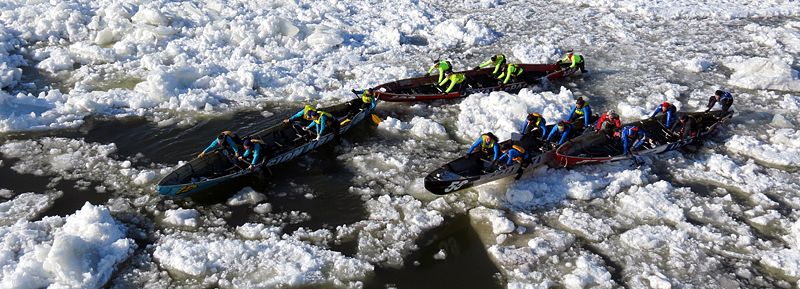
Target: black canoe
(283,142)
(464,172)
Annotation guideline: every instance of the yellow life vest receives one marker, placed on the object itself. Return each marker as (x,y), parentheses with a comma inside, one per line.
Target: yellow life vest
(514,70)
(329,117)
(579,111)
(499,59)
(306,109)
(487,142)
(366,97)
(457,77)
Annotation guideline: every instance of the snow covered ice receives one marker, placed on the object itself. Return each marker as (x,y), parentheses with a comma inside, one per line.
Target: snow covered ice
(723,214)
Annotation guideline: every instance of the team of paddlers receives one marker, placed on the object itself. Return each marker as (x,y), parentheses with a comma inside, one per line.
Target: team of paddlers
(580,120)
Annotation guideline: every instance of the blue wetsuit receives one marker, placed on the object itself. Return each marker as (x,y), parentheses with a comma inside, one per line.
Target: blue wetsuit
(321,127)
(567,129)
(671,115)
(230,142)
(480,141)
(512,154)
(586,112)
(633,133)
(542,125)
(725,101)
(256,153)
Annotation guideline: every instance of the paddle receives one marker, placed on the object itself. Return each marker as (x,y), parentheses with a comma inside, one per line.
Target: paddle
(667,132)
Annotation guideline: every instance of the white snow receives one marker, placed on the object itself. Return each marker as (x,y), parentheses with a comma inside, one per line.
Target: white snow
(26,206)
(181,217)
(764,73)
(80,250)
(388,234)
(246,196)
(264,262)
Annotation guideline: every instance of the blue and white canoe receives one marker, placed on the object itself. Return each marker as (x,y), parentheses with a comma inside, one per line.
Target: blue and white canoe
(284,142)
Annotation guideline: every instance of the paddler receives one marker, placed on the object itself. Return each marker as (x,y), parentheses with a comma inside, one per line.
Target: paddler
(253,146)
(444,67)
(321,121)
(515,154)
(581,108)
(488,145)
(228,140)
(573,60)
(498,61)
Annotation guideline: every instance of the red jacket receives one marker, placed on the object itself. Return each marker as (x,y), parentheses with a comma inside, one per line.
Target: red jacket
(604,118)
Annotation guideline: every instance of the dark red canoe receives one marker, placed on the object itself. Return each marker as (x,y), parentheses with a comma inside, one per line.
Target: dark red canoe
(478,81)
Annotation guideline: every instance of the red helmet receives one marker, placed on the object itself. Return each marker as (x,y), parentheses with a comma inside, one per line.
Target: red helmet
(665,105)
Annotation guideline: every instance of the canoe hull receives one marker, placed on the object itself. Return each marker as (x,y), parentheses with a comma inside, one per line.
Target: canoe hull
(283,142)
(481,81)
(463,172)
(440,186)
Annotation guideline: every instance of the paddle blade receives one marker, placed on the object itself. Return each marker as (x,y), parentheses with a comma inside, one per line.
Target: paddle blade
(376,119)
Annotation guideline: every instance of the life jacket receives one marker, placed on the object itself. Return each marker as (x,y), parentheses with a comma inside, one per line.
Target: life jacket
(579,111)
(633,132)
(521,153)
(233,137)
(486,145)
(457,77)
(366,97)
(499,59)
(254,141)
(444,65)
(538,118)
(607,118)
(306,109)
(329,118)
(513,69)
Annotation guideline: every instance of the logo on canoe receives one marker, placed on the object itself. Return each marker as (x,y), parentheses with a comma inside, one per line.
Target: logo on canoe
(500,88)
(185,189)
(403,97)
(454,186)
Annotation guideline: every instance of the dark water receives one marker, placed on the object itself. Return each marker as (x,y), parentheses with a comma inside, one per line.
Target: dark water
(318,173)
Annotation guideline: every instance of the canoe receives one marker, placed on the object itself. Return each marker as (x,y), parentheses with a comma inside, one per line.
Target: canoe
(283,142)
(479,81)
(464,172)
(599,147)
